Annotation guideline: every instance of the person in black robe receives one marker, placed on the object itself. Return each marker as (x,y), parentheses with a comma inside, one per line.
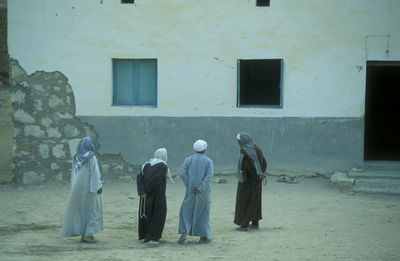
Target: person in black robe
(251,175)
(151,186)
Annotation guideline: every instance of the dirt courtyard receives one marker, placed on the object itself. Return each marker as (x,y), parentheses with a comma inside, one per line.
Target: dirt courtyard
(309,220)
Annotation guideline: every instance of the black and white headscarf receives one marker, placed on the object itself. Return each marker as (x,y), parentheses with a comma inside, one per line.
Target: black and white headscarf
(84,152)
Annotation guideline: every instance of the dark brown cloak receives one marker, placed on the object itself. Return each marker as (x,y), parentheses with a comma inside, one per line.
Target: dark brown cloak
(248,196)
(153,183)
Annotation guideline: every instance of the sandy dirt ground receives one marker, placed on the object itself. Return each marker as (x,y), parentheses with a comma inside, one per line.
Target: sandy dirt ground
(309,220)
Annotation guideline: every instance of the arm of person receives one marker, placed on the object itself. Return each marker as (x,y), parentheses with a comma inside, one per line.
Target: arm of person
(263,168)
(140,183)
(261,159)
(169,176)
(207,178)
(248,167)
(95,185)
(263,162)
(73,177)
(184,172)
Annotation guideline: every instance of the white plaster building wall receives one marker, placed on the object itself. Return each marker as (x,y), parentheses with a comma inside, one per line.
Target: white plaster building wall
(197,44)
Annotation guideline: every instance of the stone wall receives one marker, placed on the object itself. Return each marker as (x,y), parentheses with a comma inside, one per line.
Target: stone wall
(6,137)
(44,126)
(4,71)
(6,122)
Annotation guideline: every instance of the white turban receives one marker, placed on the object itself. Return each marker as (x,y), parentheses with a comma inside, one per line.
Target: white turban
(200,145)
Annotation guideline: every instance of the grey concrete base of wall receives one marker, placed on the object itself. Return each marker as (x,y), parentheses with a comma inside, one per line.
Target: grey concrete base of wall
(289,144)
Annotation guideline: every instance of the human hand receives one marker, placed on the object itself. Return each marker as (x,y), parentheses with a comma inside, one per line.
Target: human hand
(196,191)
(100,190)
(144,195)
(262,176)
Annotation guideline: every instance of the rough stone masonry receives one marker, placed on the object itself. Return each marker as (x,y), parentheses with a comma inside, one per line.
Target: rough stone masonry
(44,126)
(6,111)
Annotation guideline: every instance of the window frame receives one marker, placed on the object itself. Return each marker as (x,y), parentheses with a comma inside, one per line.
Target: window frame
(272,106)
(133,88)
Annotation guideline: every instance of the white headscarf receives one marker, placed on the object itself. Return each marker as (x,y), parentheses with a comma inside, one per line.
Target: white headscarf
(161,155)
(200,146)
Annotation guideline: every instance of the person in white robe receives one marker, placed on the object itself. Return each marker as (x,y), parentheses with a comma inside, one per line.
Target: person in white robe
(194,216)
(84,213)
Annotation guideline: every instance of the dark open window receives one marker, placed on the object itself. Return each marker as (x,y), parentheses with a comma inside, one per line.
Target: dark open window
(127,1)
(260,83)
(262,2)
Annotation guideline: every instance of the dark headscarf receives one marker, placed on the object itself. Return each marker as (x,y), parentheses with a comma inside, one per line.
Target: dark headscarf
(247,145)
(84,152)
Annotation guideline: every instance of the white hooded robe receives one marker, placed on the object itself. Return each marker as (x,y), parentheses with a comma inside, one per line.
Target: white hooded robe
(84,213)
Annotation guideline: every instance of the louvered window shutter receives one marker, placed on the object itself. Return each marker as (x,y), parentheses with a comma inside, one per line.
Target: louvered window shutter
(135,82)
(146,82)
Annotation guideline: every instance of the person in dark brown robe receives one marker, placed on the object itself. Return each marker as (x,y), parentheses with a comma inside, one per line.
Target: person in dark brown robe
(151,187)
(251,176)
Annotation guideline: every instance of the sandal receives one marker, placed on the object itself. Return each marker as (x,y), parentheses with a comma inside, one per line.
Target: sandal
(182,239)
(88,239)
(254,227)
(204,240)
(243,229)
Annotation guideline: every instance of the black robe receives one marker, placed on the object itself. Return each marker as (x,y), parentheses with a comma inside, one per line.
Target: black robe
(152,219)
(248,196)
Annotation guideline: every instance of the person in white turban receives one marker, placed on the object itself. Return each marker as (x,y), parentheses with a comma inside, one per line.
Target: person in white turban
(84,213)
(194,216)
(151,187)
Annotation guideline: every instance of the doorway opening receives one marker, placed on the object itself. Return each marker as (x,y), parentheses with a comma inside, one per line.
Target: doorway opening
(382,111)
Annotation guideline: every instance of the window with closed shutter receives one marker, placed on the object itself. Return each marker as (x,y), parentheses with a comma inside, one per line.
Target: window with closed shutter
(135,82)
